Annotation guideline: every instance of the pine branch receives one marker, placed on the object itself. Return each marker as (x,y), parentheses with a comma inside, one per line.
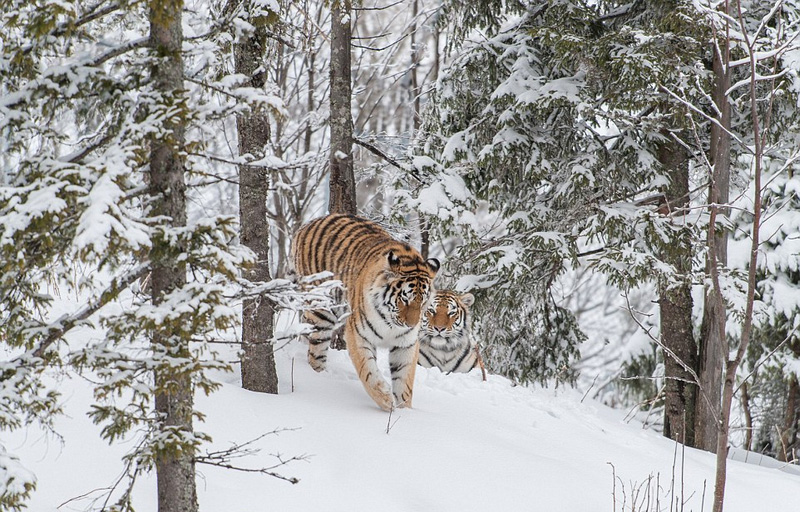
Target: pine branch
(68,322)
(77,157)
(94,13)
(765,359)
(61,80)
(142,42)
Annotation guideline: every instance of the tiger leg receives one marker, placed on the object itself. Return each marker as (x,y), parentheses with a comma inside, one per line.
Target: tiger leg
(363,355)
(324,323)
(403,364)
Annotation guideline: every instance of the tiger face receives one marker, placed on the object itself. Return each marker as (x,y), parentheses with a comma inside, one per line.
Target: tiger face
(408,286)
(447,315)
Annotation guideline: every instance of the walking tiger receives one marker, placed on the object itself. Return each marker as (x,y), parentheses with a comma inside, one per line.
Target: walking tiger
(388,287)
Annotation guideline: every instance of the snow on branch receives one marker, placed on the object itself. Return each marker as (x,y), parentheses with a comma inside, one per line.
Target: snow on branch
(16,482)
(310,292)
(67,322)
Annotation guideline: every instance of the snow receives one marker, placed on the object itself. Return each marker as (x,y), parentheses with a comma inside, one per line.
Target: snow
(15,476)
(466,445)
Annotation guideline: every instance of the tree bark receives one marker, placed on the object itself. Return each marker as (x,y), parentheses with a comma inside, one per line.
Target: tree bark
(675,305)
(174,398)
(789,428)
(713,344)
(416,95)
(342,181)
(731,365)
(748,418)
(253,129)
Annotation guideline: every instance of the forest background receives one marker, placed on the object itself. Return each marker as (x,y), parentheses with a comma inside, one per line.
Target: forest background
(614,181)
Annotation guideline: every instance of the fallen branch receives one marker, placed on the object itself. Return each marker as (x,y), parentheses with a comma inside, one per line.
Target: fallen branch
(223,458)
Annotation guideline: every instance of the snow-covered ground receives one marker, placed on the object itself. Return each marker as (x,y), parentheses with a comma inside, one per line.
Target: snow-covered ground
(467,445)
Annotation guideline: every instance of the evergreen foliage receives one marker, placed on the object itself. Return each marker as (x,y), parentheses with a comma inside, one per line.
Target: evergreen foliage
(79,115)
(553,122)
(539,153)
(774,354)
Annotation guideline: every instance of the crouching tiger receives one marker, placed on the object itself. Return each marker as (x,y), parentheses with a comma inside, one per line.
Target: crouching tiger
(445,341)
(387,286)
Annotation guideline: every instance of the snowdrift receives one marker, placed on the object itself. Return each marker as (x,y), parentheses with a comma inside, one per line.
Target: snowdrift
(466,445)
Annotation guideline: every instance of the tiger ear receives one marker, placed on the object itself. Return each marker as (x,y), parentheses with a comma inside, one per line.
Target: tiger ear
(393,259)
(433,263)
(467,299)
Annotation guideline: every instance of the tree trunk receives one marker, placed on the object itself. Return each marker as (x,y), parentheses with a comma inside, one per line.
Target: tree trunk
(675,305)
(731,365)
(713,345)
(416,95)
(258,359)
(789,429)
(342,181)
(748,418)
(174,400)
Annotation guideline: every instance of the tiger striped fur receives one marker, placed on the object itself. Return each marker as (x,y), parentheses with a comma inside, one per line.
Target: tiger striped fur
(387,287)
(445,341)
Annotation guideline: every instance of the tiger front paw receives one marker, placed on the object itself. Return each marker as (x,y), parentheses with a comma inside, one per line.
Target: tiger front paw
(383,397)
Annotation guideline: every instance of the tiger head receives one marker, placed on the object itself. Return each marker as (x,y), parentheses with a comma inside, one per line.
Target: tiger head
(447,315)
(409,285)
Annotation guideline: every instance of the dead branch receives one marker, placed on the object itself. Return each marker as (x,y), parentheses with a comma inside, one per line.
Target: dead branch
(223,458)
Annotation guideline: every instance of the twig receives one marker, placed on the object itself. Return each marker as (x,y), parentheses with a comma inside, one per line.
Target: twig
(389,423)
(703,499)
(590,387)
(613,486)
(380,154)
(263,471)
(658,342)
(764,359)
(222,458)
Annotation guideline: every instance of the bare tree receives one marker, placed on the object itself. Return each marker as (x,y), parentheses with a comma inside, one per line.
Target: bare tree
(761,67)
(253,129)
(175,469)
(712,337)
(294,64)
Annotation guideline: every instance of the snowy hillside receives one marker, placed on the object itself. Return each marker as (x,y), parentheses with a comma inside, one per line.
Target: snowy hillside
(466,445)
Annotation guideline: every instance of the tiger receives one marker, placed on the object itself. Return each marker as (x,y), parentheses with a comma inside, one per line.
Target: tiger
(445,340)
(388,286)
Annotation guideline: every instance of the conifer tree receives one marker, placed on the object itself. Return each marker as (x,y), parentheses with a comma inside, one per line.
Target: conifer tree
(174,392)
(554,123)
(108,128)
